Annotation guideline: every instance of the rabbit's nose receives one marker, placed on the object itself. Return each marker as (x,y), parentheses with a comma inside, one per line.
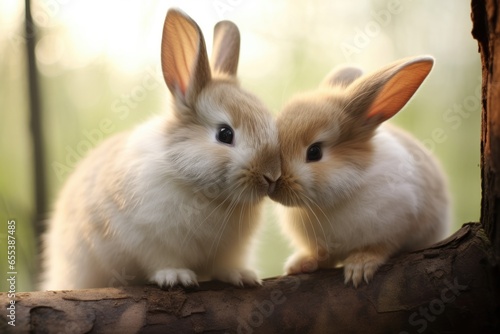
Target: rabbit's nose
(271,182)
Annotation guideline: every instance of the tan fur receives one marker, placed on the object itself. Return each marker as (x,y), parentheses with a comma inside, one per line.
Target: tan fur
(342,76)
(226,43)
(375,192)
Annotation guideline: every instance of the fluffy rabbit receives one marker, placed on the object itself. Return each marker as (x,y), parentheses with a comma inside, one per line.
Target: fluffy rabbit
(356,191)
(175,200)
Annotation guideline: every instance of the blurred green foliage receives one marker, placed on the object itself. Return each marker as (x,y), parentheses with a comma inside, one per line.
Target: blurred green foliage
(100,74)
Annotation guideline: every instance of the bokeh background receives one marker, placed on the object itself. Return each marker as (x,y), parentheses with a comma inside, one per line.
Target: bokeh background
(99,74)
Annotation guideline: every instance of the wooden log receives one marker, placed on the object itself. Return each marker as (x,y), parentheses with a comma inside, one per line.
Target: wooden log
(449,288)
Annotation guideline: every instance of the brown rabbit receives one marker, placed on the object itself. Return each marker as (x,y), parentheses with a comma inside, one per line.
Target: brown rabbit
(355,191)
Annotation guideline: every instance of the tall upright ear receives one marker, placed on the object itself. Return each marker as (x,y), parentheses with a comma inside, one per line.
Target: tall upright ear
(184,58)
(386,91)
(226,51)
(342,76)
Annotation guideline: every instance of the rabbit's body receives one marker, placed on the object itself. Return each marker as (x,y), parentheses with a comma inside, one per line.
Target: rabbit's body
(357,192)
(366,215)
(175,200)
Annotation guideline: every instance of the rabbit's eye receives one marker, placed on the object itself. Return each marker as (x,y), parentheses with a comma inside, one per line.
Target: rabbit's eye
(225,134)
(314,153)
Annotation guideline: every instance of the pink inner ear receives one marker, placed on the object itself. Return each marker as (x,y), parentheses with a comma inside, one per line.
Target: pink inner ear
(178,84)
(398,90)
(182,85)
(184,59)
(175,79)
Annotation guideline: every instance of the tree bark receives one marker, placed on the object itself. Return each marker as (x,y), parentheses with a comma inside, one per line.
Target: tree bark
(486,28)
(449,288)
(452,287)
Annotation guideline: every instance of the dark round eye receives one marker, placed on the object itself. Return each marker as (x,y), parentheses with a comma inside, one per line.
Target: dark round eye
(314,153)
(225,134)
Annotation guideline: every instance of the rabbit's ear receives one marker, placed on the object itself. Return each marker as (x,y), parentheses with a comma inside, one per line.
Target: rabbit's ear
(342,76)
(184,58)
(226,49)
(381,95)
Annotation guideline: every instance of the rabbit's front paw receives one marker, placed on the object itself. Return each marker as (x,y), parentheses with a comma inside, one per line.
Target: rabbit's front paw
(300,263)
(172,276)
(361,266)
(238,277)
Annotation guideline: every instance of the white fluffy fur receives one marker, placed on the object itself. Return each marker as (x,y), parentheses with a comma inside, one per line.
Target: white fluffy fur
(386,208)
(167,202)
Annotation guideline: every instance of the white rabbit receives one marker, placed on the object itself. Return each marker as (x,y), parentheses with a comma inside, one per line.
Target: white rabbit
(177,199)
(357,192)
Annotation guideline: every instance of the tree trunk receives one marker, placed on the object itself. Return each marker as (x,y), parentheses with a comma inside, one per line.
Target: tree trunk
(486,26)
(453,287)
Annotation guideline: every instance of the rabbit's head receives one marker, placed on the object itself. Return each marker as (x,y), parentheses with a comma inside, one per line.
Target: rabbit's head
(325,136)
(220,138)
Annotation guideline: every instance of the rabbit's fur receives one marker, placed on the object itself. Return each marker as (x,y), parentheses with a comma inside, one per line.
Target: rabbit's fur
(374,191)
(170,201)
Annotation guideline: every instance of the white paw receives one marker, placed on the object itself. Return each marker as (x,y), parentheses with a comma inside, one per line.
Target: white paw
(300,263)
(173,276)
(361,266)
(238,277)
